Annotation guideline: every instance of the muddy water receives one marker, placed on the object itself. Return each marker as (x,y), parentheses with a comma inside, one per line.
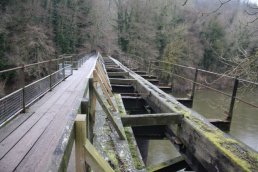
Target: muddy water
(244,125)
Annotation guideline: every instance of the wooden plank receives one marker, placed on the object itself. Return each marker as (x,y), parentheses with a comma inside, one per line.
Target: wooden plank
(92,109)
(95,160)
(18,140)
(200,138)
(96,75)
(104,78)
(6,130)
(105,74)
(119,131)
(124,74)
(100,69)
(92,98)
(121,81)
(16,154)
(80,139)
(111,66)
(26,126)
(50,139)
(47,153)
(152,119)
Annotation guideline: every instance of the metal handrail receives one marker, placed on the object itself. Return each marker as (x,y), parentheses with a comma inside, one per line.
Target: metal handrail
(174,64)
(22,98)
(206,71)
(9,95)
(216,90)
(12,69)
(32,64)
(36,81)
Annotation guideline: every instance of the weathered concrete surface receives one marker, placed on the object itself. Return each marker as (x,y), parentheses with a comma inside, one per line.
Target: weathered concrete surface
(107,142)
(215,150)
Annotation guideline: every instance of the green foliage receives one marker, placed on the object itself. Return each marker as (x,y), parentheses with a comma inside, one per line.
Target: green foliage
(4,60)
(65,26)
(123,25)
(2,44)
(4,3)
(213,32)
(214,45)
(161,35)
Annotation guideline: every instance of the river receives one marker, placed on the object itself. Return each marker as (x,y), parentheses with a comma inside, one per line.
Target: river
(210,104)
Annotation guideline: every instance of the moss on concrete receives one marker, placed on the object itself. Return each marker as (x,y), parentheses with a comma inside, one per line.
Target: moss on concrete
(130,137)
(233,149)
(109,151)
(238,153)
(133,149)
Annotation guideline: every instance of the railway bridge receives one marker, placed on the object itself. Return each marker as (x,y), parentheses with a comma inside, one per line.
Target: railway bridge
(93,113)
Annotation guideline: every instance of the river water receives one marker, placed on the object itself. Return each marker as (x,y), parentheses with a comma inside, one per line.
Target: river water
(244,126)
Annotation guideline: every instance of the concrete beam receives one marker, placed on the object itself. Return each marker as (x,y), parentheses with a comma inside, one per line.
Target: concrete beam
(124,74)
(212,148)
(151,119)
(121,81)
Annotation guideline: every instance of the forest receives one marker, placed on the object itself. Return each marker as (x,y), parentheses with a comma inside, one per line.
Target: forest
(218,35)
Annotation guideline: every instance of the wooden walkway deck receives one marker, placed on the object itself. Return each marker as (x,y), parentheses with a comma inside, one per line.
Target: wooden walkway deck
(35,141)
(41,139)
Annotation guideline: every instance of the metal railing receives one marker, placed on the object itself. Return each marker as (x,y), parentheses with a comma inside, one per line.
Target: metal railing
(58,70)
(197,73)
(174,71)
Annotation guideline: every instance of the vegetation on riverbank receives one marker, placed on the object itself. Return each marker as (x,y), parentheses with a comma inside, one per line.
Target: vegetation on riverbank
(197,33)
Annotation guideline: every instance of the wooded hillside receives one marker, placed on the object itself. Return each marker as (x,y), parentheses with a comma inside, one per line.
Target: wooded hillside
(214,35)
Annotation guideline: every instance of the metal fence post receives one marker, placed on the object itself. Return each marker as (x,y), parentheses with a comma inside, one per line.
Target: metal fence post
(63,66)
(128,62)
(149,68)
(233,98)
(50,75)
(23,88)
(194,83)
(72,61)
(172,78)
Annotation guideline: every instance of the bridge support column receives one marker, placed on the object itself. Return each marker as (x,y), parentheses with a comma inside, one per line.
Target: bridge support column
(233,98)
(23,88)
(80,139)
(92,108)
(194,84)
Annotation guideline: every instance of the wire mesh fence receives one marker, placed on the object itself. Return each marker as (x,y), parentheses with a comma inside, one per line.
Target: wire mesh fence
(68,70)
(10,105)
(14,103)
(36,89)
(57,77)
